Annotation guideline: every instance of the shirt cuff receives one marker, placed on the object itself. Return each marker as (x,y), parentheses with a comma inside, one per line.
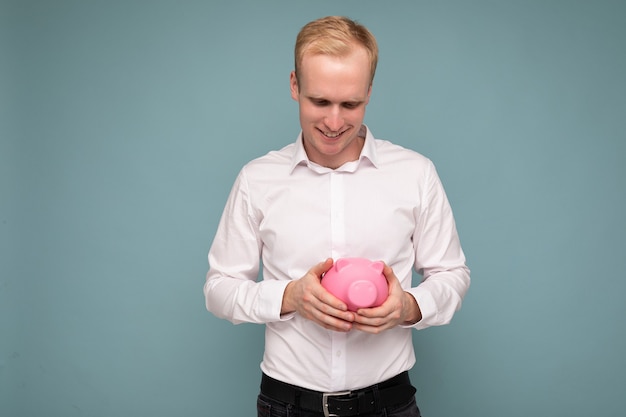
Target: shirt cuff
(427,307)
(273,292)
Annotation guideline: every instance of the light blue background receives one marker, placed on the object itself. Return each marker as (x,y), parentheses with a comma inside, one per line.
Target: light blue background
(124,123)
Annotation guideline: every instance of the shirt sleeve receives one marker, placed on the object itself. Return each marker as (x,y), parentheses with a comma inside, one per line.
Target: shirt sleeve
(231,289)
(439,257)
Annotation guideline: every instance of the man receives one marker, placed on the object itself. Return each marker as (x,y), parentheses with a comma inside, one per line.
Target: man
(336,192)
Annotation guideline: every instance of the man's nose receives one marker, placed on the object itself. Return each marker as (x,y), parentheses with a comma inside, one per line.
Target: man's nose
(334,119)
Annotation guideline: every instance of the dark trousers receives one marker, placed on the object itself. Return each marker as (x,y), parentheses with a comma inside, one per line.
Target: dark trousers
(392,398)
(266,407)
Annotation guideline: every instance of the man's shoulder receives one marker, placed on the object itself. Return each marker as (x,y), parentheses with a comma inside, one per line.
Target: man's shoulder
(279,159)
(392,153)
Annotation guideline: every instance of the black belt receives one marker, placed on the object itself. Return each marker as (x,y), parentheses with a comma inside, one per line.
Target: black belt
(394,391)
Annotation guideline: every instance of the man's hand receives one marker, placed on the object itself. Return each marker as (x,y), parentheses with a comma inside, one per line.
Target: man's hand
(400,308)
(307,297)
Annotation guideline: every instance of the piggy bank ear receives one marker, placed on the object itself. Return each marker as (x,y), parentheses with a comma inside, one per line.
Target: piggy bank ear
(378,266)
(341,263)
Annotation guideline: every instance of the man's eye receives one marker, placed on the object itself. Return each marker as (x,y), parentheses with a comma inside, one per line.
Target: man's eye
(320,103)
(350,105)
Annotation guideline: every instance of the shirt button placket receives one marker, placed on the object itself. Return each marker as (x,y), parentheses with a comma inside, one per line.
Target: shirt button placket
(337,223)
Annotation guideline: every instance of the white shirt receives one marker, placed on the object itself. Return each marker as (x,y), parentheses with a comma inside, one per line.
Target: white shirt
(290,213)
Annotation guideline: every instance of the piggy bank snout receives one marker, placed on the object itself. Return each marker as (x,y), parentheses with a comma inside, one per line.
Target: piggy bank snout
(362,293)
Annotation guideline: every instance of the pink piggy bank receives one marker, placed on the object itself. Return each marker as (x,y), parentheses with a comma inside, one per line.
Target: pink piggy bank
(358,282)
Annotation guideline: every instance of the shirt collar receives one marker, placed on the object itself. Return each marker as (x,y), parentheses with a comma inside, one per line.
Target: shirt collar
(368,153)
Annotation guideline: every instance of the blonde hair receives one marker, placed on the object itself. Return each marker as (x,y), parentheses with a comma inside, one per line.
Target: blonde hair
(335,36)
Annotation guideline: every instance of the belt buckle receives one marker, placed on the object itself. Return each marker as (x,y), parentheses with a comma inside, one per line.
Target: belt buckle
(325,397)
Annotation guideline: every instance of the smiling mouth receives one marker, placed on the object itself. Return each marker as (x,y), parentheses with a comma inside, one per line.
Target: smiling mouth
(333,135)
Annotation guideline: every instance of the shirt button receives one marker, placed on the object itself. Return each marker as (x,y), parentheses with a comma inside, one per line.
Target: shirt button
(338,353)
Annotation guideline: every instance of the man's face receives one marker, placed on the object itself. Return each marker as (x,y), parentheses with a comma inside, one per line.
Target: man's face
(332,94)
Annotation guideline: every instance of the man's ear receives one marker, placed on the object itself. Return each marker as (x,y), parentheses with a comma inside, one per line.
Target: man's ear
(293,85)
(369,93)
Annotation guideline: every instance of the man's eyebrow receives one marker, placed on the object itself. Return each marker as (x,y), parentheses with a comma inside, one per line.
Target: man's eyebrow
(320,98)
